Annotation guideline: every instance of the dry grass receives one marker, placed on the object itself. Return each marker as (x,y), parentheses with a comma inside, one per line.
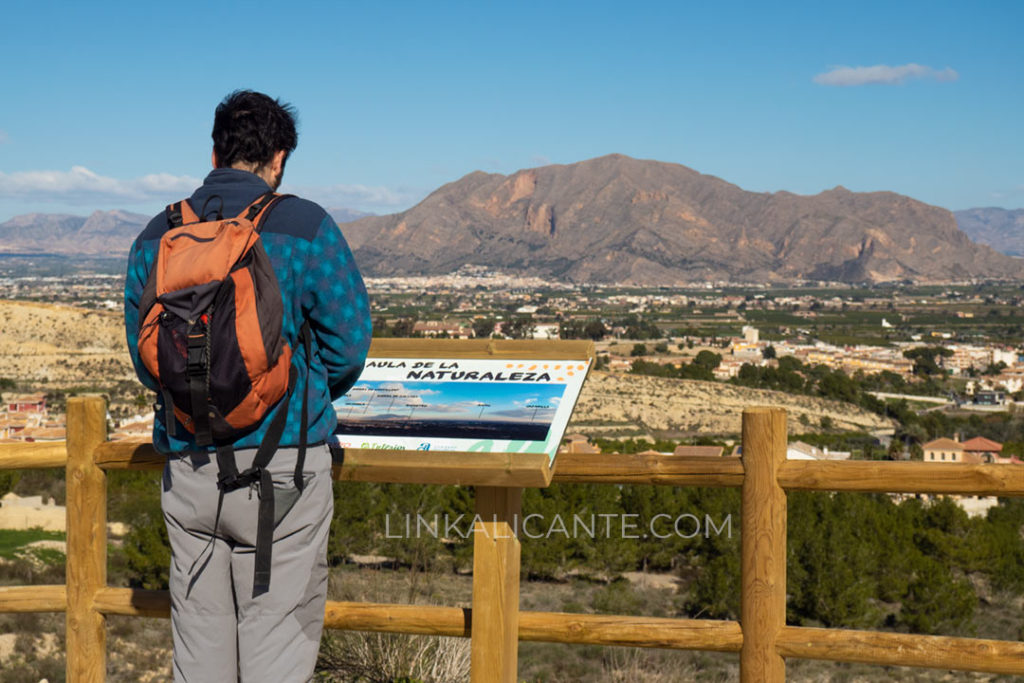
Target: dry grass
(387,657)
(138,649)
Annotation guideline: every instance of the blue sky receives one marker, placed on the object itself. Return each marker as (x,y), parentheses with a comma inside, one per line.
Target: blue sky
(109,105)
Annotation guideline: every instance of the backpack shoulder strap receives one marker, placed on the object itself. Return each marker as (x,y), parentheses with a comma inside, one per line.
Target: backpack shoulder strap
(180,213)
(260,209)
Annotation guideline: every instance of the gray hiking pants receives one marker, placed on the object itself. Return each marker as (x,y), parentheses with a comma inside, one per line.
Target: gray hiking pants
(222,632)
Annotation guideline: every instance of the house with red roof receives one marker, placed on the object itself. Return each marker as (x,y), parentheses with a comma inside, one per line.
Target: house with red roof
(977,450)
(985,450)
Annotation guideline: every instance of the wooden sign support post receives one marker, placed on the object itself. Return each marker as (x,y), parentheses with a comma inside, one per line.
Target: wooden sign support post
(499,478)
(495,626)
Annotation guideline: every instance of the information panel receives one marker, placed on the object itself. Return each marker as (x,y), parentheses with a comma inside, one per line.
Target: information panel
(461,404)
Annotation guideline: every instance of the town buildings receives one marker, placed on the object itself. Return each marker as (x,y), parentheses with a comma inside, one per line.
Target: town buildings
(24,417)
(977,450)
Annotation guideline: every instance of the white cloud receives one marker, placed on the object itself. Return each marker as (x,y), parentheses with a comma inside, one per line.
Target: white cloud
(84,186)
(534,403)
(882,74)
(1007,193)
(356,196)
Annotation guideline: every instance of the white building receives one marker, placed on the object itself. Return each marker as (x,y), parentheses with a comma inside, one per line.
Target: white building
(545,331)
(798,450)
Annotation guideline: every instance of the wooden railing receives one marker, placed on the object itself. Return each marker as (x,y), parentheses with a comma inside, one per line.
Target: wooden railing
(761,636)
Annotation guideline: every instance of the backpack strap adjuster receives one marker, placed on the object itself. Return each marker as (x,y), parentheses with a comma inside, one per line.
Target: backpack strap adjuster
(228,482)
(180,213)
(198,371)
(257,206)
(173,213)
(197,361)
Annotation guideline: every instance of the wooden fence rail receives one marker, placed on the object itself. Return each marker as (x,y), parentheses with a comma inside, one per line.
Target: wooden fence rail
(764,641)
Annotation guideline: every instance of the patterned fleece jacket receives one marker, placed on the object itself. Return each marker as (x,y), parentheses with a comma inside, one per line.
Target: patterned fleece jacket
(319,282)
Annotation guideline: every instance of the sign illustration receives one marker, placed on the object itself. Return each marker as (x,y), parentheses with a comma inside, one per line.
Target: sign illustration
(496,406)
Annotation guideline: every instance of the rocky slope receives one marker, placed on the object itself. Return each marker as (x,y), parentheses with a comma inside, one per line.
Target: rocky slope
(627,405)
(53,346)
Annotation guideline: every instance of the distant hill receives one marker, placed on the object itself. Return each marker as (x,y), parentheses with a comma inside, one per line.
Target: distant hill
(104,233)
(615,219)
(347,215)
(1000,229)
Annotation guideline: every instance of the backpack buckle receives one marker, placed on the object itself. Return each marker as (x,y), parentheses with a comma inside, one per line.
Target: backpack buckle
(232,482)
(197,360)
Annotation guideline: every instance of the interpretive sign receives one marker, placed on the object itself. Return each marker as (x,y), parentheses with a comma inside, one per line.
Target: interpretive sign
(461,404)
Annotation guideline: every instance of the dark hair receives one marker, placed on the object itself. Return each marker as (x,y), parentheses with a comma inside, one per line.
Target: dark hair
(251,127)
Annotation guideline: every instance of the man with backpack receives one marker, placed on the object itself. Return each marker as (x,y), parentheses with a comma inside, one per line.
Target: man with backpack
(246,315)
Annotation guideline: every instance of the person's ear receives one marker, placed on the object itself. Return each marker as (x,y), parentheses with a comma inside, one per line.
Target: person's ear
(213,159)
(277,163)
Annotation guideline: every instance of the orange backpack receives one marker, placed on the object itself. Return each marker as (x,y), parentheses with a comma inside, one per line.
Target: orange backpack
(210,323)
(210,333)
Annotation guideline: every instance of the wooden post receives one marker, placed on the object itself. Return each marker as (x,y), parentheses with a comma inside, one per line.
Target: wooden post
(87,541)
(494,648)
(763,591)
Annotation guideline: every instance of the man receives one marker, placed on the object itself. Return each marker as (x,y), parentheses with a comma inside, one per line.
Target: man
(225,627)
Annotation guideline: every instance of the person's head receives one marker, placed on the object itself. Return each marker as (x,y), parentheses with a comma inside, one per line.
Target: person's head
(255,133)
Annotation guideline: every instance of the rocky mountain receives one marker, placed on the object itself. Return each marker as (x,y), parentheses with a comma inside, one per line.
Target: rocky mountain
(616,219)
(104,233)
(1000,229)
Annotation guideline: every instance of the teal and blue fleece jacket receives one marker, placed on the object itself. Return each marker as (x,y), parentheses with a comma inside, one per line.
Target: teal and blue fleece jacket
(319,282)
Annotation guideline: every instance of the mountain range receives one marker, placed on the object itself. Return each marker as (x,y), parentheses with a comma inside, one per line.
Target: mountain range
(1001,229)
(103,233)
(616,219)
